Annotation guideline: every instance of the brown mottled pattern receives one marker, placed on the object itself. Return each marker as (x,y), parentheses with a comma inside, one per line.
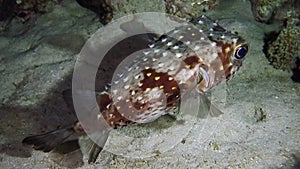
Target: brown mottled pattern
(223,66)
(204,57)
(163,81)
(191,61)
(110,113)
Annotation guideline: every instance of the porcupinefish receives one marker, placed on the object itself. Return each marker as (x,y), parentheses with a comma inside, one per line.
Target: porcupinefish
(187,59)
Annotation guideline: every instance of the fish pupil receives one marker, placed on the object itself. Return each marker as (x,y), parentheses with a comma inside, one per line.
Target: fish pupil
(241,52)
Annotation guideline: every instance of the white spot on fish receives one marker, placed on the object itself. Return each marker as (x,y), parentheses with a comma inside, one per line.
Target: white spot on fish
(146,52)
(161,65)
(172,68)
(148,74)
(169,43)
(178,55)
(119,75)
(175,47)
(126,87)
(235,40)
(157,78)
(164,39)
(197,47)
(151,45)
(188,42)
(125,79)
(156,50)
(165,54)
(137,76)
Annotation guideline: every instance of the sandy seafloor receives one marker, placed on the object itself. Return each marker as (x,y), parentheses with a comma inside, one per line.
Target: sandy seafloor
(36,61)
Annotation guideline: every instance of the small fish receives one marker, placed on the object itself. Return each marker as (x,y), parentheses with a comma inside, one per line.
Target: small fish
(187,59)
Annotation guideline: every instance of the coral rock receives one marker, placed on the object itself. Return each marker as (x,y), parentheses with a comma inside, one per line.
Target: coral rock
(282,51)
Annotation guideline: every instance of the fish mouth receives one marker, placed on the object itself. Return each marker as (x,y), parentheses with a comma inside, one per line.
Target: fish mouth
(205,76)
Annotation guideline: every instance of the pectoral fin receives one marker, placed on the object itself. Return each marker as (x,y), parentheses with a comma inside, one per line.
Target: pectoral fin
(207,108)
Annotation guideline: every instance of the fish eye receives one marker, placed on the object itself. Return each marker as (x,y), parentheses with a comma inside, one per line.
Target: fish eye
(241,52)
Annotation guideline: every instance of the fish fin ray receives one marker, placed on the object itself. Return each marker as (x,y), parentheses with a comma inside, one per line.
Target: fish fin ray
(208,109)
(214,111)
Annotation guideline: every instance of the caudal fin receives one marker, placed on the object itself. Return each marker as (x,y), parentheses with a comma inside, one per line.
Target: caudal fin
(48,141)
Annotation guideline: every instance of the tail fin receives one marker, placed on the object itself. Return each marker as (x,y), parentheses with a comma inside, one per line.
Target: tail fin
(48,141)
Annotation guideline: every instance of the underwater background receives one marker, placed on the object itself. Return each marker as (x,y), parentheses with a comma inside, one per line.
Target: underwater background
(260,127)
